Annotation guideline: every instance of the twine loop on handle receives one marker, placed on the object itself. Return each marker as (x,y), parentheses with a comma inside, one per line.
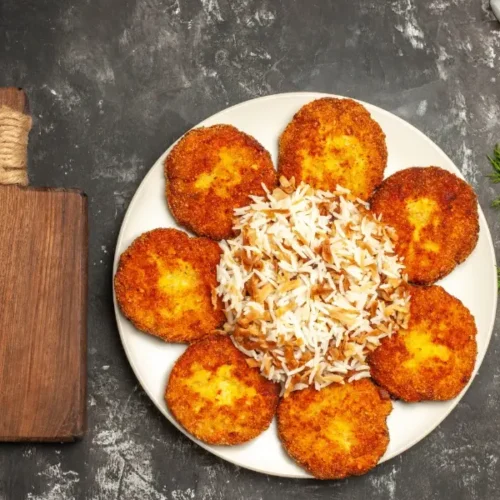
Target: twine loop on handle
(14,130)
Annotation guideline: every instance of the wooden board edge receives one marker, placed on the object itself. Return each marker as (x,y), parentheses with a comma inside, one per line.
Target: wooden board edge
(70,438)
(42,189)
(81,427)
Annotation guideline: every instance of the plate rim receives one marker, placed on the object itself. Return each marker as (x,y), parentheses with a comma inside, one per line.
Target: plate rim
(119,241)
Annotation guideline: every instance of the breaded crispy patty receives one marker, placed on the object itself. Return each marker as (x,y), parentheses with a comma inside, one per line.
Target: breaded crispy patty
(436,219)
(433,359)
(334,141)
(165,284)
(217,397)
(210,172)
(338,431)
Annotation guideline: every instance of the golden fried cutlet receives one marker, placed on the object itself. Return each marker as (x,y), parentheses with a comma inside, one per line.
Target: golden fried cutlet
(334,141)
(165,284)
(338,431)
(210,172)
(435,217)
(434,358)
(217,397)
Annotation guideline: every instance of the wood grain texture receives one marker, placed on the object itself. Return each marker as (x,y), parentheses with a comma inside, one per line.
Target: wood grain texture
(15,99)
(43,308)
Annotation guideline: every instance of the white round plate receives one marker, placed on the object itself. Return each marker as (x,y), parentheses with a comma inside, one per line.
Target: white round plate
(473,282)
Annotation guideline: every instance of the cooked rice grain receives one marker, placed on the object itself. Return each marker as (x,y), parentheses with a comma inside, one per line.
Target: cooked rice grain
(310,285)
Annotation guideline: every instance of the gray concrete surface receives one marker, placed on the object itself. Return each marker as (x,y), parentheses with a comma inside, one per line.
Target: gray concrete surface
(113,83)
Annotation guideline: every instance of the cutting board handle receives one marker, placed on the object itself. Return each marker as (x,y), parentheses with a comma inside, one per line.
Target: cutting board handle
(15,125)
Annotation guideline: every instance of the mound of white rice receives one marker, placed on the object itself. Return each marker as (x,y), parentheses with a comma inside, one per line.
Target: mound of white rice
(310,285)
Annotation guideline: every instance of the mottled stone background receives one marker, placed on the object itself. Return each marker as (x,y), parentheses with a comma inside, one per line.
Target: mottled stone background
(113,83)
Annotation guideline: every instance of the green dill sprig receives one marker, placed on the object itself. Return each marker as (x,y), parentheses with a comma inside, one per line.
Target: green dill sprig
(495,175)
(495,163)
(498,277)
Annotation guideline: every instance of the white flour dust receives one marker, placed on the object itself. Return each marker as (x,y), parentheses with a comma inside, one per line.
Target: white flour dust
(59,484)
(409,27)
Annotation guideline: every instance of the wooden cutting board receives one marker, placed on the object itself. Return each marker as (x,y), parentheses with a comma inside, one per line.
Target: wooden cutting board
(43,296)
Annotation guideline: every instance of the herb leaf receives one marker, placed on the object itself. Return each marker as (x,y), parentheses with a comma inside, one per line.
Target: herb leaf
(495,163)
